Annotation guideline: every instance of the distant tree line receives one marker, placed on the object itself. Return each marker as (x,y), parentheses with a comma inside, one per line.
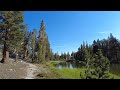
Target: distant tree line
(96,58)
(62,57)
(109,47)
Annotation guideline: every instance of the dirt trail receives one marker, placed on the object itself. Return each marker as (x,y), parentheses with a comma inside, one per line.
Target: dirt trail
(31,70)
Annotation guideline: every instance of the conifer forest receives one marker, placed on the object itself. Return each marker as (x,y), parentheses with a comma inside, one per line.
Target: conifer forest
(27,54)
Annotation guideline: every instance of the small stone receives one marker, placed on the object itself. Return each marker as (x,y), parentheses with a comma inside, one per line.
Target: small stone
(10,69)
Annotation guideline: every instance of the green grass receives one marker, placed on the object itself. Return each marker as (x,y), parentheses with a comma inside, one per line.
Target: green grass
(70,73)
(66,73)
(55,62)
(114,76)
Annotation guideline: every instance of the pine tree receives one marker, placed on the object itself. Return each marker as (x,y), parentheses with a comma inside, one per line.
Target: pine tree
(41,43)
(68,56)
(44,52)
(61,56)
(33,42)
(36,50)
(47,54)
(88,58)
(87,45)
(73,56)
(10,26)
(51,55)
(26,44)
(40,55)
(19,39)
(97,67)
(101,66)
(65,56)
(113,48)
(56,56)
(95,47)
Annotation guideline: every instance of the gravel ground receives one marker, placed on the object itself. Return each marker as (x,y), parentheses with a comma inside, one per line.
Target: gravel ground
(22,70)
(13,70)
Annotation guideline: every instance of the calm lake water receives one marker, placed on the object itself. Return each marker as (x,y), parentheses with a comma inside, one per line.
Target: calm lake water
(114,68)
(70,65)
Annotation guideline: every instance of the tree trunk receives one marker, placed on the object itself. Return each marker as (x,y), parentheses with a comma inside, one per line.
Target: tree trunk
(25,53)
(33,55)
(16,59)
(27,56)
(5,58)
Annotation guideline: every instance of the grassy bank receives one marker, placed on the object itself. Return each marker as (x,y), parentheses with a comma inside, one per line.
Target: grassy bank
(70,73)
(73,73)
(114,76)
(65,73)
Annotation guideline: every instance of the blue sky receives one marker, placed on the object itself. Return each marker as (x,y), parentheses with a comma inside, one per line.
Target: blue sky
(66,30)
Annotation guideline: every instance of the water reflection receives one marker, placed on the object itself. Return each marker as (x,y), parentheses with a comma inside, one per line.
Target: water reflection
(59,66)
(114,68)
(70,65)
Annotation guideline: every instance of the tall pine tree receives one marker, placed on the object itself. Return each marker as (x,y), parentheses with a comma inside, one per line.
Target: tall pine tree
(33,43)
(43,44)
(10,27)
(26,44)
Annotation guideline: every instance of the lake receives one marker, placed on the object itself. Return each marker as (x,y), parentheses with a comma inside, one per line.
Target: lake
(114,68)
(70,65)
